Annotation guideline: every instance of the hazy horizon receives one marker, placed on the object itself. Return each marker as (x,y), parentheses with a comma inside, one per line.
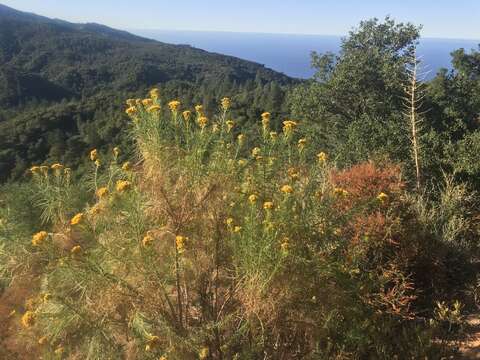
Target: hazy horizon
(290,53)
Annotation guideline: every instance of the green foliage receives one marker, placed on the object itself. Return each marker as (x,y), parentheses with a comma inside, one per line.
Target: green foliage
(56,107)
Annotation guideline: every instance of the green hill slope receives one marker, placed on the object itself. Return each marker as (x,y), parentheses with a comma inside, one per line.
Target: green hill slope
(55,76)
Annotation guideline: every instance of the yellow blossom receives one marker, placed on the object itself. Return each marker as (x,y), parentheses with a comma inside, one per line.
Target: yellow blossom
(154,93)
(382,197)
(116,151)
(284,246)
(301,144)
(147,102)
(226,103)
(57,167)
(39,237)
(95,209)
(256,151)
(202,122)
(241,139)
(76,219)
(126,166)
(93,154)
(286,189)
(340,192)
(293,173)
(131,111)
(268,205)
(180,243)
(203,353)
(102,192)
(229,221)
(147,240)
(199,108)
(174,105)
(154,108)
(289,126)
(123,185)
(130,102)
(242,162)
(265,120)
(252,199)
(28,319)
(230,125)
(237,229)
(187,115)
(98,163)
(76,250)
(322,157)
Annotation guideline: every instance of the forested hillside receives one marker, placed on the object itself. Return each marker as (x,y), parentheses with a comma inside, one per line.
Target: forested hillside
(60,83)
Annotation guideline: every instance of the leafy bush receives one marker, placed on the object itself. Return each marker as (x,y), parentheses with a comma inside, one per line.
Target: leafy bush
(213,244)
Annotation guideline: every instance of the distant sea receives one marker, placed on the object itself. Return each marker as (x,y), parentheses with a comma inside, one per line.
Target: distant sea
(290,54)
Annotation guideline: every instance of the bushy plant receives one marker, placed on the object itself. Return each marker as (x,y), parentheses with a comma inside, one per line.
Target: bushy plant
(213,244)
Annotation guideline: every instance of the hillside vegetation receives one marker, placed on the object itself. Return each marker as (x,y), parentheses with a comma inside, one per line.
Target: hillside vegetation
(347,230)
(61,83)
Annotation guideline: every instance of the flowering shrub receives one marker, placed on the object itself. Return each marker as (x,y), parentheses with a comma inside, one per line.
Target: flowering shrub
(217,244)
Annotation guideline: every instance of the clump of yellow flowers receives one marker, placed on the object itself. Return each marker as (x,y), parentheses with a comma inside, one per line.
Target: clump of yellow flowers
(77,219)
(39,238)
(123,185)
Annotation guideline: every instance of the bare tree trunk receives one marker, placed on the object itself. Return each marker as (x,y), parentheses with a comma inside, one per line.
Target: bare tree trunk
(414,102)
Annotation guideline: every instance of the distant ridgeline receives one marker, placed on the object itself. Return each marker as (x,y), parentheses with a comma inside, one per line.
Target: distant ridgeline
(62,86)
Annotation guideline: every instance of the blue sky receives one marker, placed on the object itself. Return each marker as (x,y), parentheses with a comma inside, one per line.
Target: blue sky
(440,18)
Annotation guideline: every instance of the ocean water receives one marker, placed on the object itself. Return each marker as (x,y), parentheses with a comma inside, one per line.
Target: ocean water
(290,54)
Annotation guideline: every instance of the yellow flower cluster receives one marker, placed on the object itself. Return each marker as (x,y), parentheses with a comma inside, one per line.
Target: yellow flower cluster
(180,243)
(102,192)
(77,249)
(301,144)
(322,157)
(230,125)
(116,151)
(241,139)
(286,189)
(94,155)
(147,239)
(382,197)
(154,93)
(39,237)
(268,205)
(187,115)
(28,319)
(265,120)
(174,105)
(288,127)
(340,192)
(202,122)
(226,103)
(147,102)
(123,185)
(154,109)
(126,166)
(77,219)
(132,110)
(252,199)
